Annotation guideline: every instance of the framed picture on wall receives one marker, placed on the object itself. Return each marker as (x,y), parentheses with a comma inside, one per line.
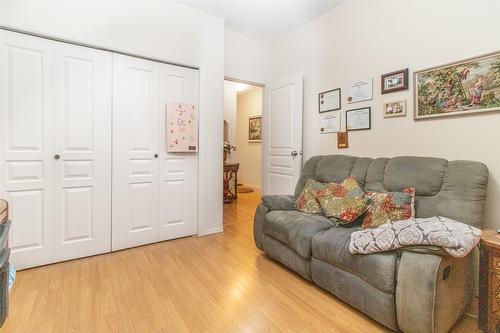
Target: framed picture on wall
(343,140)
(458,88)
(358,119)
(394,81)
(329,100)
(254,129)
(360,91)
(395,109)
(181,127)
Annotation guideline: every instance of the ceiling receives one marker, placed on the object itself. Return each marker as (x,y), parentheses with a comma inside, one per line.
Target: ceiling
(266,20)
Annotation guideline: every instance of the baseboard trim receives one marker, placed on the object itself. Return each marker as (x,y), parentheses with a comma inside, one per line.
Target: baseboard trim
(212,231)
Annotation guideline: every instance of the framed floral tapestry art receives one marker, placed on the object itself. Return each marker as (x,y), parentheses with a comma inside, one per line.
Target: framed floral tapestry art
(459,88)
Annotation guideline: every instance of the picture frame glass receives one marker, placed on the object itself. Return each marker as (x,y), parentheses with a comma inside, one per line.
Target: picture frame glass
(394,82)
(395,109)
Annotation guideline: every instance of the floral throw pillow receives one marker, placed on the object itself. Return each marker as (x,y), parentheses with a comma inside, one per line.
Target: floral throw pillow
(345,202)
(306,202)
(389,207)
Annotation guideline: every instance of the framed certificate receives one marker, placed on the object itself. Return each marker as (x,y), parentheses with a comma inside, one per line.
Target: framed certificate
(329,100)
(330,122)
(360,91)
(358,119)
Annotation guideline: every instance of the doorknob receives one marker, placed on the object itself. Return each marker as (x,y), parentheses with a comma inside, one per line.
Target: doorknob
(156,155)
(294,153)
(57,157)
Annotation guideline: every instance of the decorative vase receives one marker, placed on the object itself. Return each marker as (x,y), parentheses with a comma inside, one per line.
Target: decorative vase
(225,156)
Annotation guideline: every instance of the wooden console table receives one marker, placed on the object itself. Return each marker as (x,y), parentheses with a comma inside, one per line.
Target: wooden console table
(230,181)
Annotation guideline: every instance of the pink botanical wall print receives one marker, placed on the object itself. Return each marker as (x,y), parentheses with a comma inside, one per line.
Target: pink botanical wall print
(182,127)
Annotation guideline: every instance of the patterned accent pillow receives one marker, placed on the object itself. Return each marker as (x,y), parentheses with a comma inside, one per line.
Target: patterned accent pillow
(455,238)
(306,202)
(345,202)
(389,207)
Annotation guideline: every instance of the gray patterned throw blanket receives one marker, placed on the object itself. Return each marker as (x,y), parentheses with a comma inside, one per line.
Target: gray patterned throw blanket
(456,238)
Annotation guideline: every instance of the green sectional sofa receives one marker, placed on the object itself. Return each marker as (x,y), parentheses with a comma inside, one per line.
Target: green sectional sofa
(410,291)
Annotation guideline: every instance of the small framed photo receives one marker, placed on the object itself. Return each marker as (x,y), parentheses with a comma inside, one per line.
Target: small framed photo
(358,119)
(395,109)
(329,100)
(394,81)
(254,129)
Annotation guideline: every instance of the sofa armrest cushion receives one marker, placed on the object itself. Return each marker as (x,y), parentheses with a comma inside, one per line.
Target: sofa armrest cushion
(432,291)
(425,249)
(279,202)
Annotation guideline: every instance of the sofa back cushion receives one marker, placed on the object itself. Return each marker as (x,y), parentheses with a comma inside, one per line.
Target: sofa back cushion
(453,189)
(333,169)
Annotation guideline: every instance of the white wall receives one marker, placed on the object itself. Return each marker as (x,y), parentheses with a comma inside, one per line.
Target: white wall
(230,104)
(246,58)
(249,104)
(358,40)
(162,29)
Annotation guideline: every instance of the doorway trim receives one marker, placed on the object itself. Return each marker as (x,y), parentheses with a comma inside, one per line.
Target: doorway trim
(264,142)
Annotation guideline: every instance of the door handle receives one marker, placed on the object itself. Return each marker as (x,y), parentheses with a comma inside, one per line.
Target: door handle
(156,155)
(294,153)
(57,156)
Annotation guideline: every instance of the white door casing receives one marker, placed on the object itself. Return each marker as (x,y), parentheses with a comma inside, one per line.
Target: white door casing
(26,145)
(282,133)
(82,151)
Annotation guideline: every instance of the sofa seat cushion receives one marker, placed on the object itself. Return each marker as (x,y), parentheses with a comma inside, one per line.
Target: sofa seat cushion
(295,229)
(379,269)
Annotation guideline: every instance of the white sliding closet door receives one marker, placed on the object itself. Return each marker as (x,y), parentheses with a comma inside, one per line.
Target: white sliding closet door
(83,160)
(82,151)
(26,145)
(136,122)
(154,193)
(178,171)
(55,148)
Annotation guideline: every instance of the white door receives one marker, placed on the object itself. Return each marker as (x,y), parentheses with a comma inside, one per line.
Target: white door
(282,134)
(178,171)
(136,122)
(26,145)
(82,151)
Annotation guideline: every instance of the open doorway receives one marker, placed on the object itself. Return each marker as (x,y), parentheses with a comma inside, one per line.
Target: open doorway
(242,141)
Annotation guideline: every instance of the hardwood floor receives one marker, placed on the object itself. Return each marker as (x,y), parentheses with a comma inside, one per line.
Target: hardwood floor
(217,283)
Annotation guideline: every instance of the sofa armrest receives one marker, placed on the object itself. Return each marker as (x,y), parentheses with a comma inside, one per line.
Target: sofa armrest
(279,202)
(432,291)
(258,225)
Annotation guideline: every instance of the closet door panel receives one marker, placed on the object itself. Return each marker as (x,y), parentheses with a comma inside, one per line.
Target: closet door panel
(26,145)
(178,171)
(82,143)
(135,143)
